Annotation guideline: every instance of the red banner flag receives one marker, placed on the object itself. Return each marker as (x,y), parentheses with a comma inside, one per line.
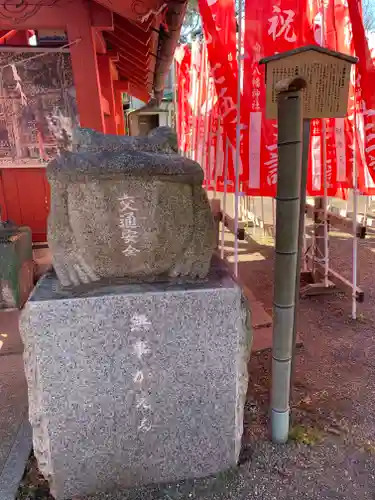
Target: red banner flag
(366,143)
(184,111)
(330,135)
(270,28)
(224,16)
(365,115)
(226,87)
(366,67)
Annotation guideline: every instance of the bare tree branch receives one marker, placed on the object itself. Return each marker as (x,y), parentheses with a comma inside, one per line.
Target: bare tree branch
(192,23)
(193,26)
(368,12)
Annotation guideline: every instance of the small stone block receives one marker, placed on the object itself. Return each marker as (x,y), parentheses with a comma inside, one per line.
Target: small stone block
(16,266)
(262,339)
(259,317)
(14,467)
(312,289)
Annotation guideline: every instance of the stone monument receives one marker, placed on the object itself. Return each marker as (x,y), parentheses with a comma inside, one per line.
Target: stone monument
(136,361)
(128,207)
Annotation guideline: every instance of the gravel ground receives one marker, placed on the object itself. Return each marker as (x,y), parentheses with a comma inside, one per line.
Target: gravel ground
(332,453)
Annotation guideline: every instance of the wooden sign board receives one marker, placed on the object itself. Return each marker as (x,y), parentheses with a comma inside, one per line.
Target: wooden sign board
(327,77)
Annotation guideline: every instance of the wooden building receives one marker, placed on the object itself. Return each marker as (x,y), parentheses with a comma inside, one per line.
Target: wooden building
(64,62)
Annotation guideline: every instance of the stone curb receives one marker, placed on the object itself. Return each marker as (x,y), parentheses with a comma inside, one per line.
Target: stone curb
(14,467)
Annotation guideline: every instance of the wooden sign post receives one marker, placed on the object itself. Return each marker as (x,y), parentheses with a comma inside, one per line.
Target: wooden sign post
(309,82)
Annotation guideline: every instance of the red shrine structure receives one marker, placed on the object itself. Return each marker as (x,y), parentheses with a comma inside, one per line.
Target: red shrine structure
(114,47)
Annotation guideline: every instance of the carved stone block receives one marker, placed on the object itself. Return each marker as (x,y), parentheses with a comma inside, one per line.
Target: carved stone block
(121,208)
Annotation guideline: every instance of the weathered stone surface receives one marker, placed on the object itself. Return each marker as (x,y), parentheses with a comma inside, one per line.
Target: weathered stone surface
(118,211)
(136,383)
(161,139)
(16,266)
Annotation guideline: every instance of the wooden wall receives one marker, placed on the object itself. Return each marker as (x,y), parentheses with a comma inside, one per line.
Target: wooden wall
(25,199)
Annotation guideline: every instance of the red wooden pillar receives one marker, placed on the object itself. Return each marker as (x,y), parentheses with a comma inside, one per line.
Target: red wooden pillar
(120,87)
(85,67)
(106,81)
(120,120)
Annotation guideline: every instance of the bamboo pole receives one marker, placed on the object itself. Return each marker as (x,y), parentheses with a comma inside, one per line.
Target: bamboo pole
(286,250)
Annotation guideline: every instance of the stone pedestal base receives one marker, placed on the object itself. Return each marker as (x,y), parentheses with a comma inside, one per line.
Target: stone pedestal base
(135,384)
